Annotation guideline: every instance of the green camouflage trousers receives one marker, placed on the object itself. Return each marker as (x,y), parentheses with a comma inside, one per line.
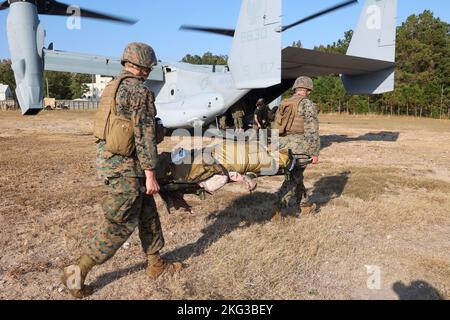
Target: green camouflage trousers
(223,122)
(126,208)
(292,189)
(239,123)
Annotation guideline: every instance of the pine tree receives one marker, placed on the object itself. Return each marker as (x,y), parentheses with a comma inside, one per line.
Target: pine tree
(422,75)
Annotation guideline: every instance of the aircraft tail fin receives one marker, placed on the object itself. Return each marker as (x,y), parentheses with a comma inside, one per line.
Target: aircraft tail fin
(255,58)
(374,38)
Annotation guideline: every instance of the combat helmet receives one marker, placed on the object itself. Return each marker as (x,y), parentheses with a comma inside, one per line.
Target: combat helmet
(304,82)
(139,54)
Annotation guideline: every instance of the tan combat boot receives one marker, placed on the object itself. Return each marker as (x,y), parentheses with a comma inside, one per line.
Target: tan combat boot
(75,276)
(157,266)
(307,209)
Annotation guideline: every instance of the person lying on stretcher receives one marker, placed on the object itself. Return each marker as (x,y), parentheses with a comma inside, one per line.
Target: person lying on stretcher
(208,170)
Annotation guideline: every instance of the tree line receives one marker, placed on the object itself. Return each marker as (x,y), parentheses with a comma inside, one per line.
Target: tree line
(59,85)
(422,74)
(422,85)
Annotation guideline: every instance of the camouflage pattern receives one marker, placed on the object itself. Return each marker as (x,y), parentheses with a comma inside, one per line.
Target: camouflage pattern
(136,102)
(126,208)
(293,188)
(239,123)
(238,114)
(223,122)
(307,143)
(139,54)
(304,82)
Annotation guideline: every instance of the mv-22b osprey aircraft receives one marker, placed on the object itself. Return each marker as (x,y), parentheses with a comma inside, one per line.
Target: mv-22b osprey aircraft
(191,96)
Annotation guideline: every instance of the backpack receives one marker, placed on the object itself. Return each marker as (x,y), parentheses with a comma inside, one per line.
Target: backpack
(287,119)
(117,131)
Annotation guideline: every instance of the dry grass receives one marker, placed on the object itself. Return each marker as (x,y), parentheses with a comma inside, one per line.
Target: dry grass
(383,188)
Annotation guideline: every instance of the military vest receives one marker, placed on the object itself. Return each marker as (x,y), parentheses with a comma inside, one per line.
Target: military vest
(116,130)
(288,119)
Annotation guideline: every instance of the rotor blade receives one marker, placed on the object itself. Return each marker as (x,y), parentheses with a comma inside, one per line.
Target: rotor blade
(230,32)
(224,32)
(61,9)
(319,14)
(4,5)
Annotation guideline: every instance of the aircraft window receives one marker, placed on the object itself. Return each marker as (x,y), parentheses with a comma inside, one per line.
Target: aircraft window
(172,92)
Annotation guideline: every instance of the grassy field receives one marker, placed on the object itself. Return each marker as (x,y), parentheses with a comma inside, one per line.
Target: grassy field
(383,187)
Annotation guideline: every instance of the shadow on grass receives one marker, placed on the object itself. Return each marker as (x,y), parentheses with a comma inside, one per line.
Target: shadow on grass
(384,136)
(418,290)
(110,277)
(256,208)
(251,209)
(329,188)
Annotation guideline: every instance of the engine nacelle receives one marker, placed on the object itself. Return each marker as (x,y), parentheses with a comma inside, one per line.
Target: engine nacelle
(26,43)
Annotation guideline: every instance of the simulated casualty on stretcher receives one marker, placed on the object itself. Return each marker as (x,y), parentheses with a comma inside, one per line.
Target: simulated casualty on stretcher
(209,169)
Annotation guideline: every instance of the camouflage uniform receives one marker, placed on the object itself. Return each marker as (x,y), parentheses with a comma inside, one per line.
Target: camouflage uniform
(307,143)
(238,115)
(127,206)
(223,122)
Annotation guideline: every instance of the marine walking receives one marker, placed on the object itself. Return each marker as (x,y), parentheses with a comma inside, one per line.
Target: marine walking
(298,125)
(127,156)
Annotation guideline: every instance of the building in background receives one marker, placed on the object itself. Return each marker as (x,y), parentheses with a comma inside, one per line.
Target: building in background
(96,89)
(5,93)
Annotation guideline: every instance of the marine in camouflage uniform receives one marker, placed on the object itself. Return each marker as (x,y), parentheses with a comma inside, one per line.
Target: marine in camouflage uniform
(293,189)
(238,114)
(128,204)
(223,122)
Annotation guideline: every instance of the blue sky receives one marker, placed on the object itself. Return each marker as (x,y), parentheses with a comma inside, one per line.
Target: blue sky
(160,20)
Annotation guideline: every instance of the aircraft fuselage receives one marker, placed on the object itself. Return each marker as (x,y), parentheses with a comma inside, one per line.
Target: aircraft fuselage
(192,96)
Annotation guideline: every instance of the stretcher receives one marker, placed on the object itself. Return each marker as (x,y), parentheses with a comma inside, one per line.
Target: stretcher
(205,171)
